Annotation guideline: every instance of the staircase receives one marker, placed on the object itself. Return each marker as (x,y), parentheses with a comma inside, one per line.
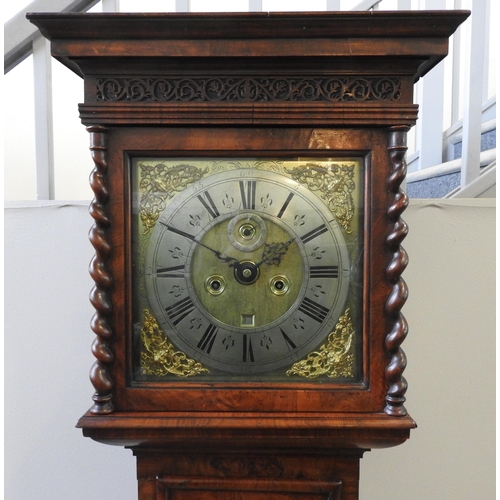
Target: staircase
(435,164)
(444,180)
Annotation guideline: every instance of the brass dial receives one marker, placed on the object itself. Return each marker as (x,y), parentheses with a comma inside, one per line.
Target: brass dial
(247,271)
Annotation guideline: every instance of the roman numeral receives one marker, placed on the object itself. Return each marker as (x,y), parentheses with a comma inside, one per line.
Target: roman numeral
(288,340)
(247,190)
(314,233)
(207,341)
(178,231)
(170,272)
(285,205)
(178,311)
(324,272)
(209,205)
(314,310)
(247,350)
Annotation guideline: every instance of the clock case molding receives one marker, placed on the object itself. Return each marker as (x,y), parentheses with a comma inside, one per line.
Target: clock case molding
(250,85)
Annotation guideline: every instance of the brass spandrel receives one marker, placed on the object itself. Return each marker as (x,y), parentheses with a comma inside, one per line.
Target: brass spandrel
(158,183)
(335,183)
(159,357)
(335,358)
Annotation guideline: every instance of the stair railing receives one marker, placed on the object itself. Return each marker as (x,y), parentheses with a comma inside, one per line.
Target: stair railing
(469,62)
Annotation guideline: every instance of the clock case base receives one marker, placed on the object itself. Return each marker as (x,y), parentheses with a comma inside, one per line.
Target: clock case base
(256,456)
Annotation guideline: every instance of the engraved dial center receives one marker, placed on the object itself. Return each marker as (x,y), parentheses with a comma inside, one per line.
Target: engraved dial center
(262,283)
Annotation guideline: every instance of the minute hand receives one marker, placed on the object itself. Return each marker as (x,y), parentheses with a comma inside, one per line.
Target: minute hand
(274,252)
(229,260)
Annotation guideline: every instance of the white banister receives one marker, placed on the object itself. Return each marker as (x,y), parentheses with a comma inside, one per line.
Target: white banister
(333,5)
(110,5)
(44,130)
(473,91)
(19,32)
(182,6)
(255,5)
(404,4)
(430,97)
(429,145)
(455,45)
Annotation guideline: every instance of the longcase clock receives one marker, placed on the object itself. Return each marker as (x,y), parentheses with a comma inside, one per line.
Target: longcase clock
(247,233)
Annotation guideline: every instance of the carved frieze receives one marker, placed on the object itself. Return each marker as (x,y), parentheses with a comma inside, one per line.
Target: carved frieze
(248,89)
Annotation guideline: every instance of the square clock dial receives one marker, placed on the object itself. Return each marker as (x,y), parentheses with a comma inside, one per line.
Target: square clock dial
(247,268)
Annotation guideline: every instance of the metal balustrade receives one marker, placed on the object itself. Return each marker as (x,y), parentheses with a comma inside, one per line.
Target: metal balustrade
(453,139)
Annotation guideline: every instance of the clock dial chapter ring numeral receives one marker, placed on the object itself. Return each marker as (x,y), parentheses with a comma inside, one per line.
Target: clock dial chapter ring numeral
(318,231)
(314,310)
(288,341)
(247,192)
(324,272)
(178,311)
(207,202)
(171,272)
(248,356)
(285,205)
(207,340)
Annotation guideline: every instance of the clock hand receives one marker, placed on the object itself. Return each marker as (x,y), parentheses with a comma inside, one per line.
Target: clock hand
(274,252)
(231,261)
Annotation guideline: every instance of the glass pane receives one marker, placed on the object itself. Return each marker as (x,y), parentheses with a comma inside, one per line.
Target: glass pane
(247,269)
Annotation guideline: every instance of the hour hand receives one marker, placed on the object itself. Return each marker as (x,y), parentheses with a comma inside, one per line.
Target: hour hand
(274,252)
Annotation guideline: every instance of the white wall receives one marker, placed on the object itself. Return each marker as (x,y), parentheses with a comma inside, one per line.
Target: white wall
(451,312)
(451,359)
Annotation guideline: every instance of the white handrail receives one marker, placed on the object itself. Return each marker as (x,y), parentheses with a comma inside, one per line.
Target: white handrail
(19,33)
(449,167)
(455,70)
(366,5)
(485,183)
